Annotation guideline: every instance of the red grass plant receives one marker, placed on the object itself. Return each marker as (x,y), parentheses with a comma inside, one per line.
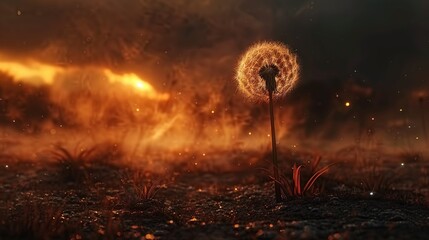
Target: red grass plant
(294,188)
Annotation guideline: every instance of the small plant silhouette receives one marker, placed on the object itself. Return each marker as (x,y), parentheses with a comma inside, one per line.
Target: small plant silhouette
(379,181)
(33,220)
(73,165)
(294,187)
(138,188)
(268,70)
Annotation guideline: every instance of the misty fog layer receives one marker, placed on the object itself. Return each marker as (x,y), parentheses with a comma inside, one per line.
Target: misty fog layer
(364,71)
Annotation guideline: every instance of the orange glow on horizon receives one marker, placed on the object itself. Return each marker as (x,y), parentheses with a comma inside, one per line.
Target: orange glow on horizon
(132,80)
(30,71)
(38,73)
(124,105)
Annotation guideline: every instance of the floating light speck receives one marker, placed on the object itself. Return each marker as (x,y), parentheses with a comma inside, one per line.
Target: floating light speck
(149,236)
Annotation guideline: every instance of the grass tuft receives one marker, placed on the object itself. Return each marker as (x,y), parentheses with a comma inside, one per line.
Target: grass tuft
(73,165)
(379,181)
(139,188)
(294,187)
(32,220)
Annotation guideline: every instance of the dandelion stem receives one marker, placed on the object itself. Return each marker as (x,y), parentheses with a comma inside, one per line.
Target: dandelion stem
(269,73)
(274,150)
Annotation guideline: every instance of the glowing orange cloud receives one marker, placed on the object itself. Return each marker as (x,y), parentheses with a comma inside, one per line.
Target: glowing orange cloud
(132,80)
(30,71)
(34,72)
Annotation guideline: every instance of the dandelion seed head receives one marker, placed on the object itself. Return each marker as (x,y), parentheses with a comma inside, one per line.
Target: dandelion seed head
(260,55)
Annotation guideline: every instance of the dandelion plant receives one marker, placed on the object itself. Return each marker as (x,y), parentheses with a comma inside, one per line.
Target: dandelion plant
(268,71)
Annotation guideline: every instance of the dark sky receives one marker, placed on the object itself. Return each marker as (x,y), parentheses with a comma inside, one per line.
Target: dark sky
(375,53)
(380,39)
(332,37)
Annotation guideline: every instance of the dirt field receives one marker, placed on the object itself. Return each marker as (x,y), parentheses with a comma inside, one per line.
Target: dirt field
(110,200)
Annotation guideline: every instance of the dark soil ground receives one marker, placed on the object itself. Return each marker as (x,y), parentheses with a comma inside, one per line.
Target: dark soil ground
(111,201)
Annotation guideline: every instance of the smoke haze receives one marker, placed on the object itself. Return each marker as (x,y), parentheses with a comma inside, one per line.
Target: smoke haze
(373,55)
